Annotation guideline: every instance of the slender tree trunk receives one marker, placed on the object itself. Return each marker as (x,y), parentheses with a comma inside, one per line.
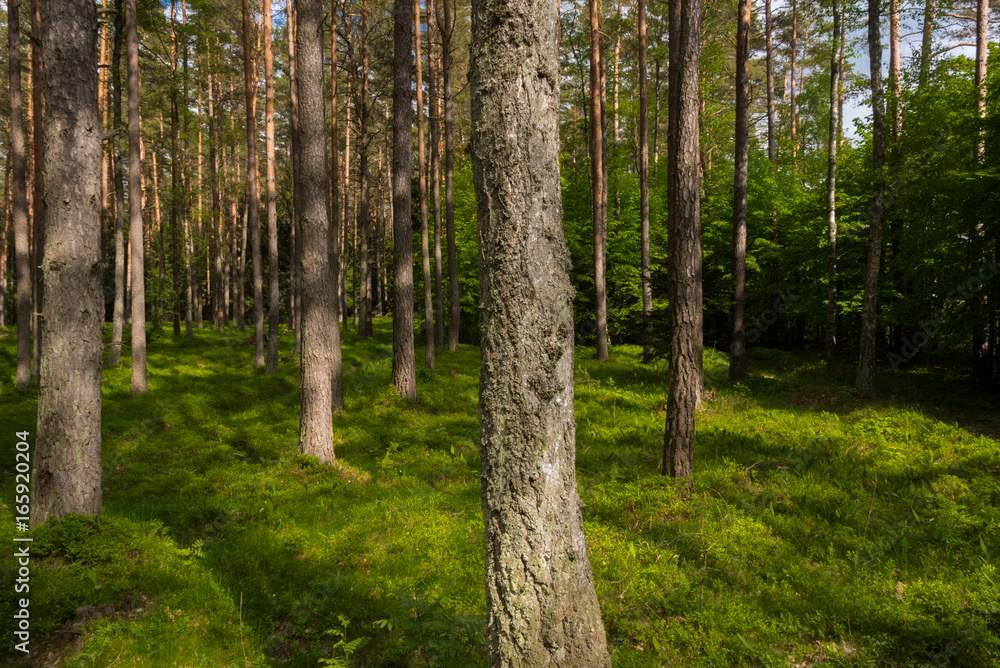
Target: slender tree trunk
(540,597)
(684,287)
(869,305)
(333,236)
(926,44)
(293,121)
(791,93)
(435,168)
(346,187)
(597,198)
(39,209)
(422,178)
(175,174)
(103,96)
(4,243)
(161,254)
(830,348)
(447,30)
(118,318)
(136,235)
(253,204)
(218,303)
(404,372)
(981,352)
(647,287)
(895,82)
(67,473)
(272,199)
(365,316)
(772,142)
(19,199)
(319,339)
(737,341)
(189,278)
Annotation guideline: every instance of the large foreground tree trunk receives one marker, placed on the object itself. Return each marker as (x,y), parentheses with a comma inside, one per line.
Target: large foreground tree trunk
(19,199)
(67,474)
(404,372)
(318,324)
(865,384)
(136,232)
(541,603)
(684,289)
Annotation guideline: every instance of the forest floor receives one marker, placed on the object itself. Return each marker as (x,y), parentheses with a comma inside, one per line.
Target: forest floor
(818,529)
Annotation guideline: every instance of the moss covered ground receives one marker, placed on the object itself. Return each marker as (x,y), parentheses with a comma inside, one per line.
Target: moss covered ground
(818,529)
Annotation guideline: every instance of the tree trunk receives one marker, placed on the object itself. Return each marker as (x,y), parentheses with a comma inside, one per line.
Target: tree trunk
(38,212)
(136,234)
(365,315)
(346,188)
(253,204)
(404,372)
(272,199)
(189,278)
(422,178)
(19,199)
(435,168)
(4,244)
(772,141)
(597,198)
(333,234)
(218,303)
(447,29)
(791,80)
(118,318)
(869,305)
(895,82)
(647,288)
(926,44)
(737,341)
(541,603)
(103,96)
(175,175)
(319,339)
(293,122)
(67,475)
(830,346)
(684,287)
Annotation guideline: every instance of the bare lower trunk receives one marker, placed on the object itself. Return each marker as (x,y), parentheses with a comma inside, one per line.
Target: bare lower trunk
(737,335)
(19,199)
(454,323)
(39,209)
(684,287)
(67,474)
(293,122)
(272,199)
(333,236)
(365,315)
(869,305)
(136,233)
(597,197)
(435,168)
(422,178)
(830,348)
(253,203)
(791,79)
(318,337)
(118,318)
(772,141)
(647,288)
(542,609)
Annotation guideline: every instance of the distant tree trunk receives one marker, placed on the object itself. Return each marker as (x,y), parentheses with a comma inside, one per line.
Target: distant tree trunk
(103,97)
(333,234)
(295,140)
(597,199)
(118,318)
(684,288)
(161,254)
(135,234)
(272,199)
(772,142)
(895,81)
(346,188)
(791,93)
(435,168)
(982,53)
(365,316)
(647,288)
(926,44)
(4,243)
(19,199)
(318,338)
(404,372)
(830,349)
(869,305)
(422,178)
(447,29)
(981,351)
(737,345)
(175,174)
(189,278)
(218,252)
(39,208)
(253,204)
(543,610)
(67,474)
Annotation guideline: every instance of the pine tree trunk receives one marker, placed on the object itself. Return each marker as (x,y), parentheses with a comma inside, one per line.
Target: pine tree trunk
(684,284)
(4,244)
(791,83)
(67,474)
(38,212)
(737,340)
(318,337)
(19,199)
(597,171)
(189,277)
(422,178)
(926,44)
(365,315)
(175,175)
(333,236)
(869,305)
(272,199)
(447,29)
(772,141)
(346,187)
(541,603)
(830,346)
(253,203)
(435,168)
(293,122)
(404,372)
(136,232)
(647,288)
(118,318)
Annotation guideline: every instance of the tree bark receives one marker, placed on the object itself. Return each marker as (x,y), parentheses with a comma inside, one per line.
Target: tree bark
(791,93)
(67,475)
(404,372)
(772,141)
(422,178)
(136,233)
(19,199)
(926,44)
(447,30)
(869,305)
(38,211)
(296,142)
(830,343)
(597,198)
(647,288)
(541,603)
(365,315)
(737,341)
(435,168)
(333,235)
(4,244)
(272,199)
(118,317)
(189,279)
(895,81)
(684,284)
(175,174)
(253,204)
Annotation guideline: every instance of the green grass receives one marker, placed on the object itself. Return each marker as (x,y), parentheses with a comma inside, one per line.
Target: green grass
(818,529)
